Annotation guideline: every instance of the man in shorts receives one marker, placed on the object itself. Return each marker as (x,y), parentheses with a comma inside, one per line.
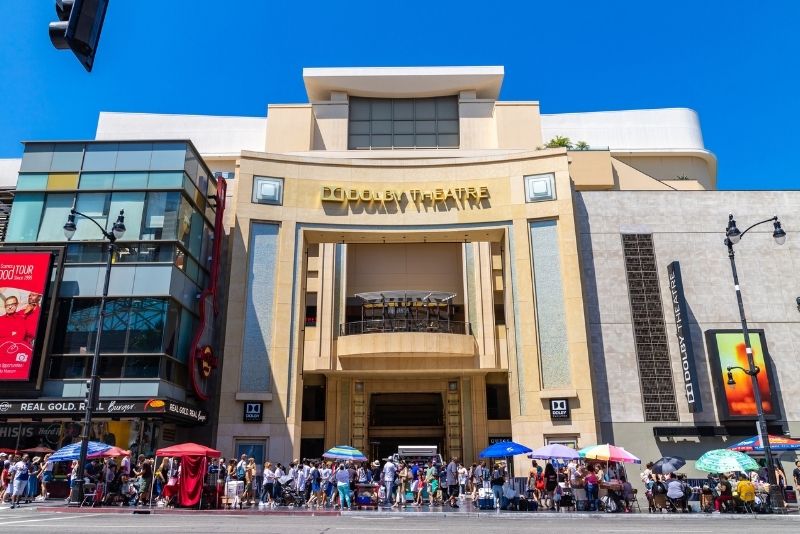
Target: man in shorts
(451,472)
(20,473)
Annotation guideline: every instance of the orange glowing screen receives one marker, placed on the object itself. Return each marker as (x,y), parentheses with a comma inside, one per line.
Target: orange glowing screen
(739,398)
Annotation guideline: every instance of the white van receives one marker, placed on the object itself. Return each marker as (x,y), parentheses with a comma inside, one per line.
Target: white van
(418,453)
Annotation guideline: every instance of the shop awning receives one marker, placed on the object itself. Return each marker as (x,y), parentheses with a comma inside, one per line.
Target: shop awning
(116,408)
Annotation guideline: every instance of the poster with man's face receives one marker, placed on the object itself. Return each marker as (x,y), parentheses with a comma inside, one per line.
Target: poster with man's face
(23,278)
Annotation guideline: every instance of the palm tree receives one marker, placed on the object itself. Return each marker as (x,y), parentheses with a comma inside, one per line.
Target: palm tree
(559,141)
(581,145)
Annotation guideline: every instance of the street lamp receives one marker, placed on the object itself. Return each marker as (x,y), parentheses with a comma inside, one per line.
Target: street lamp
(733,236)
(93,387)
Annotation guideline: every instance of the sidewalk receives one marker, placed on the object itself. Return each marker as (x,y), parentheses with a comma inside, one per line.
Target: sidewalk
(466,509)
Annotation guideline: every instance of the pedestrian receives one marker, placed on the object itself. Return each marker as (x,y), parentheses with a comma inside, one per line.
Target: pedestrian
(420,488)
(402,484)
(316,497)
(389,471)
(498,480)
(343,486)
(477,479)
(432,481)
(46,476)
(463,477)
(20,472)
(451,477)
(33,479)
(269,484)
(592,484)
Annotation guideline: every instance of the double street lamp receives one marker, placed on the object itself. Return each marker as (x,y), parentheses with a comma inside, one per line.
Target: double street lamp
(93,386)
(732,236)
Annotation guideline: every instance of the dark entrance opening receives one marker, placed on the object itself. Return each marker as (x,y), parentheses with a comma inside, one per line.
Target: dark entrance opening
(404,419)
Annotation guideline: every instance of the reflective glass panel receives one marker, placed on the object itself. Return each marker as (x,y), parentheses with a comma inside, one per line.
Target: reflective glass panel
(94,205)
(133,204)
(97,180)
(56,210)
(26,212)
(31,182)
(100,157)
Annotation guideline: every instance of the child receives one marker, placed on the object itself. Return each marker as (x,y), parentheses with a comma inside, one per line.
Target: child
(420,488)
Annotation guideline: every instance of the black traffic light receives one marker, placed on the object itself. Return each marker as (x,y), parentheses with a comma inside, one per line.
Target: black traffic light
(79,28)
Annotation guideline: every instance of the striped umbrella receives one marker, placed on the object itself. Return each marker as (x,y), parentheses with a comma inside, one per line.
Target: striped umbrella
(73,451)
(724,460)
(344,452)
(608,453)
(554,451)
(668,464)
(776,443)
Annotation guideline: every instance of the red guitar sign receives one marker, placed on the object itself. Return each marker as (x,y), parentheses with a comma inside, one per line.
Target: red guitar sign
(203,359)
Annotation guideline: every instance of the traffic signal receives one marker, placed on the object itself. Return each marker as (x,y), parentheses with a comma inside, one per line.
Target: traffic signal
(79,26)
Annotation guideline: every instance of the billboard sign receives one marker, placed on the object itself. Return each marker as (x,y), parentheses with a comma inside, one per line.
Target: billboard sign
(736,402)
(23,279)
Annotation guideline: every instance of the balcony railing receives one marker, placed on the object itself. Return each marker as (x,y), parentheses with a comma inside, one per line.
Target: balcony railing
(382,326)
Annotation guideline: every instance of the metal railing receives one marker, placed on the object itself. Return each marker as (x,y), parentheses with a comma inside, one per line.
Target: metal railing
(382,326)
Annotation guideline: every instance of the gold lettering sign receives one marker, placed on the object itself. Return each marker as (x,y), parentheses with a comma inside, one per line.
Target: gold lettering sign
(330,193)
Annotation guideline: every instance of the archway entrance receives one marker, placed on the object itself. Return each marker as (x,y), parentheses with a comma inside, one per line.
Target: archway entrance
(404,419)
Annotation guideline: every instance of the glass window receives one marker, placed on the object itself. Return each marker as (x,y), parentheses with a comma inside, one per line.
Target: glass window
(540,187)
(191,165)
(196,236)
(76,326)
(387,123)
(147,318)
(171,327)
(130,180)
(34,182)
(134,156)
(161,215)
(133,204)
(313,403)
(168,156)
(67,157)
(26,212)
(56,210)
(115,326)
(186,332)
(94,205)
(141,366)
(192,269)
(267,190)
(208,241)
(165,180)
(498,404)
(185,222)
(68,181)
(110,366)
(69,367)
(97,180)
(100,157)
(37,157)
(87,253)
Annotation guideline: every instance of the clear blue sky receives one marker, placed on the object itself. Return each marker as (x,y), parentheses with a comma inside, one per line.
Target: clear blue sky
(737,63)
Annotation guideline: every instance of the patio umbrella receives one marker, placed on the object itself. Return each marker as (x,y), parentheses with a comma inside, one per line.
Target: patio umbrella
(504,449)
(345,452)
(41,449)
(668,464)
(608,453)
(109,453)
(776,443)
(554,451)
(73,451)
(724,460)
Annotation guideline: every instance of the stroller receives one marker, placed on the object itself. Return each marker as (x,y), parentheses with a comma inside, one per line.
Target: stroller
(290,496)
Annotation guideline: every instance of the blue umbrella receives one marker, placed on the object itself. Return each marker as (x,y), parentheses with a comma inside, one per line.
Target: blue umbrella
(503,449)
(73,451)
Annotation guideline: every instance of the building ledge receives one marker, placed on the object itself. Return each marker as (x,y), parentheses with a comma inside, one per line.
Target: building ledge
(563,393)
(246,397)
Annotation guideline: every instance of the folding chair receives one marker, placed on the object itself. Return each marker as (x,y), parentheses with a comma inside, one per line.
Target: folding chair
(94,498)
(635,501)
(660,502)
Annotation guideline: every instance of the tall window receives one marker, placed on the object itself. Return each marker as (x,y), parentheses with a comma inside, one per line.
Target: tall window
(403,123)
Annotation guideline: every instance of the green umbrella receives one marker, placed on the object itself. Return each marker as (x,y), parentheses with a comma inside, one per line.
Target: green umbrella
(724,460)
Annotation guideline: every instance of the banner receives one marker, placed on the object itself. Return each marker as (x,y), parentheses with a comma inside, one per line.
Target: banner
(23,279)
(737,402)
(682,330)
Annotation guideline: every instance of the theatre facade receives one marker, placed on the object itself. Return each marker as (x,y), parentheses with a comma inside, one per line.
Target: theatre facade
(405,265)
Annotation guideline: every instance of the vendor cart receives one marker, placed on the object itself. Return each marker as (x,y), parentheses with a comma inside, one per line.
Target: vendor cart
(367,495)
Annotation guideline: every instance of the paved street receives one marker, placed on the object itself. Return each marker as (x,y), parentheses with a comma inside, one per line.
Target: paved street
(30,520)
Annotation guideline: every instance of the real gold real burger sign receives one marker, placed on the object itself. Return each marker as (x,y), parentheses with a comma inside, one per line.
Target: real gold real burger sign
(342,195)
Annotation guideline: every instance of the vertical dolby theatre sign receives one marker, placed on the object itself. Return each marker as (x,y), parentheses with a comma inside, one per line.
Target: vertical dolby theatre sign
(678,300)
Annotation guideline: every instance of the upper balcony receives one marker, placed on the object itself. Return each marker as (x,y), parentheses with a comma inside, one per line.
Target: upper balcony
(406,323)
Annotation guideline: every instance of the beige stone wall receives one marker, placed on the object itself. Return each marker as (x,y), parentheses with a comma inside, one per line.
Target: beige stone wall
(496,227)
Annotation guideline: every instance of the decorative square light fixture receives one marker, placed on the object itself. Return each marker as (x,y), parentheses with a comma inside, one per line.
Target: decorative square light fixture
(267,190)
(540,187)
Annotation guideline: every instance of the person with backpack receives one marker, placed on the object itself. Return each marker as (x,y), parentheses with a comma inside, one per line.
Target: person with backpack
(498,480)
(317,497)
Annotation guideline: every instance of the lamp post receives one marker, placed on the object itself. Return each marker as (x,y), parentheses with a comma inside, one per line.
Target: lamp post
(93,386)
(733,236)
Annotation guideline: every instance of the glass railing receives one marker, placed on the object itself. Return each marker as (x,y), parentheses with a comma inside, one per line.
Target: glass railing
(379,326)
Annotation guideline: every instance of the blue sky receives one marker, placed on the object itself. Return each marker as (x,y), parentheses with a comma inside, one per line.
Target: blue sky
(734,62)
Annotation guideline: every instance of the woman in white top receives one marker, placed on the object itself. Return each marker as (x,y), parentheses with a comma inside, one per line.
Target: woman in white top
(269,484)
(462,480)
(46,476)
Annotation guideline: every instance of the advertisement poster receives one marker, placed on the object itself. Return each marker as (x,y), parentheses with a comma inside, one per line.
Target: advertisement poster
(23,278)
(727,349)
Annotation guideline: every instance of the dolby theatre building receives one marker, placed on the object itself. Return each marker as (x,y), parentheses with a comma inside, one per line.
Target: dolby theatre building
(408,264)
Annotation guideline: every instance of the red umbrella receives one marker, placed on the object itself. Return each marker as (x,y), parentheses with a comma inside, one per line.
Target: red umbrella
(110,453)
(188,449)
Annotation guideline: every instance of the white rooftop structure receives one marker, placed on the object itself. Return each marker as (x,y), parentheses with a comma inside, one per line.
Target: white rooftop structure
(212,135)
(403,82)
(9,171)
